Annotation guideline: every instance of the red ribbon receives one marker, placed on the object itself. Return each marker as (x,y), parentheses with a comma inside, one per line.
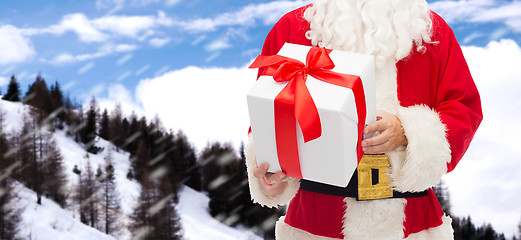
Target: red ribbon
(294,102)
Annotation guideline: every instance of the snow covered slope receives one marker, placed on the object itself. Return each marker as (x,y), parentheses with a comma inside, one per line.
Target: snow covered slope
(50,222)
(197,222)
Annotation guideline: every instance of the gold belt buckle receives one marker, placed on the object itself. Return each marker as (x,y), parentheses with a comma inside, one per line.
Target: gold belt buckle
(373,182)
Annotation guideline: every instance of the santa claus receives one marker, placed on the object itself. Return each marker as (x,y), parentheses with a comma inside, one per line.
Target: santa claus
(428,111)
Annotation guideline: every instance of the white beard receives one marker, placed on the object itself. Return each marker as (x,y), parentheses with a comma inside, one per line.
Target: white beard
(386,29)
(378,27)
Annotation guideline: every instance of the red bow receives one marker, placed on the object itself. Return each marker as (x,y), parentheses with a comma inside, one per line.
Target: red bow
(295,101)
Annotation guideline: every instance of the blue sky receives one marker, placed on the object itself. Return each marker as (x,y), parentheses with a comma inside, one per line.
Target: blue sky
(87,44)
(185,62)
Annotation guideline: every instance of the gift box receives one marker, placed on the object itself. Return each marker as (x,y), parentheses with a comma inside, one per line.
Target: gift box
(308,110)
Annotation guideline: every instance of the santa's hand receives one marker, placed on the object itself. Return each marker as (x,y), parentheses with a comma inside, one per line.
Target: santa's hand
(273,184)
(270,178)
(390,137)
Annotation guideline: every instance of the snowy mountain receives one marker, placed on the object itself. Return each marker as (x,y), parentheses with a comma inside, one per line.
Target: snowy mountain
(50,221)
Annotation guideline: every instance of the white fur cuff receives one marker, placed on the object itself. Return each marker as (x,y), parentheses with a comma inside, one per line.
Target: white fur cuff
(427,152)
(443,232)
(255,184)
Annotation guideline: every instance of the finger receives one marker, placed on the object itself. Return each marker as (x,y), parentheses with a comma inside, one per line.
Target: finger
(373,127)
(260,171)
(377,149)
(381,113)
(275,178)
(376,140)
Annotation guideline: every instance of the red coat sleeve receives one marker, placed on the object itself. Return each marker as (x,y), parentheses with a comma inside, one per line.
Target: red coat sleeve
(457,99)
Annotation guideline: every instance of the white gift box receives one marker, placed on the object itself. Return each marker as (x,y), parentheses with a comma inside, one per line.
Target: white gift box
(331,158)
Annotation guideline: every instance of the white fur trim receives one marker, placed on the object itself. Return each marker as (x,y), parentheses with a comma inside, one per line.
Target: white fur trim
(443,232)
(255,184)
(427,152)
(378,219)
(283,231)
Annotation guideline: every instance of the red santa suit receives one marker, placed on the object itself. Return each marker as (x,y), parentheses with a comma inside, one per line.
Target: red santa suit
(435,98)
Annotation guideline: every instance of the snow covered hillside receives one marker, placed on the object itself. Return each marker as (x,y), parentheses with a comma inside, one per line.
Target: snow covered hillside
(50,221)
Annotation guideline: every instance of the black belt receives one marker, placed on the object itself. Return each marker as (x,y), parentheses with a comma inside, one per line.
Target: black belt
(351,190)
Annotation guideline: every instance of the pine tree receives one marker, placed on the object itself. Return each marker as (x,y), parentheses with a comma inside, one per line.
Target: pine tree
(116,132)
(78,195)
(221,180)
(109,197)
(38,96)
(488,233)
(68,106)
(9,217)
(166,215)
(86,195)
(13,90)
(8,165)
(88,132)
(29,156)
(134,134)
(104,131)
(57,103)
(141,224)
(468,230)
(156,216)
(185,159)
(140,160)
(519,230)
(39,158)
(54,179)
(90,190)
(442,193)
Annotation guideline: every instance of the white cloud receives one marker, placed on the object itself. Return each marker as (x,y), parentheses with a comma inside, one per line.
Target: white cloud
(63,58)
(207,104)
(77,23)
(268,13)
(109,4)
(4,81)
(452,11)
(171,3)
(106,27)
(109,48)
(116,5)
(486,183)
(218,44)
(159,42)
(118,94)
(105,50)
(14,47)
(511,10)
(480,11)
(131,26)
